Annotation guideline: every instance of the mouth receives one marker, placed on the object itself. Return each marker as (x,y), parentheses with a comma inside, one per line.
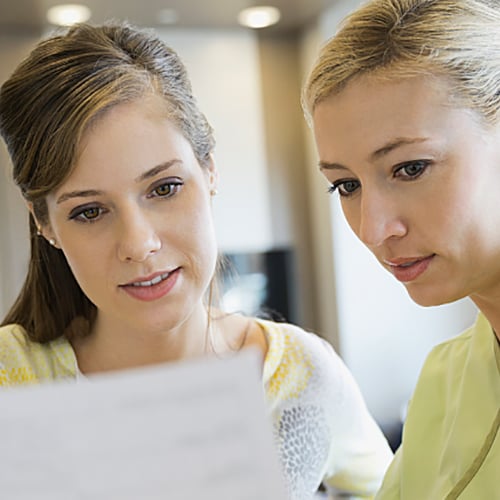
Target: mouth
(153,287)
(151,282)
(406,264)
(408,269)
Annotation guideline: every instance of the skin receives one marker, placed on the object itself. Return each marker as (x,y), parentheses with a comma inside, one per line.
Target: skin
(415,175)
(136,206)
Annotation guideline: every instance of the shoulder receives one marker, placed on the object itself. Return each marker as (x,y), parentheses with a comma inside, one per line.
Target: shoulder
(301,365)
(459,343)
(318,409)
(287,340)
(289,346)
(452,368)
(23,361)
(13,340)
(451,352)
(14,347)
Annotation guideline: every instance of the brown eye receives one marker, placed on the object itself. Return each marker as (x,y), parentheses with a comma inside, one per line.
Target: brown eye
(86,214)
(90,213)
(165,189)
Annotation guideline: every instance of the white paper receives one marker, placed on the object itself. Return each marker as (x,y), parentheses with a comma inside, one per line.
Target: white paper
(183,431)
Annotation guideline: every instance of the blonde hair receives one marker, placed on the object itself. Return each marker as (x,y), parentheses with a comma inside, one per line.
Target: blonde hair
(458,40)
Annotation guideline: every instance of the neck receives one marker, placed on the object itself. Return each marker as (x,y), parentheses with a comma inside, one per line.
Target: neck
(113,345)
(491,309)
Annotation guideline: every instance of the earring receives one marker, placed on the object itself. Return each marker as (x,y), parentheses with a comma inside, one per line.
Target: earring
(38,231)
(52,242)
(213,192)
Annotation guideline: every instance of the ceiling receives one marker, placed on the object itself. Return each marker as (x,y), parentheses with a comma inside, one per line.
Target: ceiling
(28,16)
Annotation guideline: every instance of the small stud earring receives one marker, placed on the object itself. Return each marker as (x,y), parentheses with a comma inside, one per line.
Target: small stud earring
(38,232)
(52,242)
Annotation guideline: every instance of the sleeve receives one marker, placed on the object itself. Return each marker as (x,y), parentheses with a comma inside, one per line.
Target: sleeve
(14,366)
(324,431)
(359,453)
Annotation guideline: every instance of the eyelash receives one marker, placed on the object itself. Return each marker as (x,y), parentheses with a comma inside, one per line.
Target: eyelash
(173,185)
(337,186)
(78,214)
(424,164)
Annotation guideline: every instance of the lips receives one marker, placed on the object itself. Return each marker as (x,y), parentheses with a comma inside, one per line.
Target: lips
(154,281)
(409,269)
(152,287)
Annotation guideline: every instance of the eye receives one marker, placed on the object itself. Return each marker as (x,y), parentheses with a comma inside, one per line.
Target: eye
(345,187)
(86,214)
(411,170)
(165,189)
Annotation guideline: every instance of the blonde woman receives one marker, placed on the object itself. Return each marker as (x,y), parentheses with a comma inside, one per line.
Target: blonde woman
(405,105)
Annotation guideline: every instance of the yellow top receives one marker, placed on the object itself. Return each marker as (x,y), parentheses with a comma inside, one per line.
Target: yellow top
(451,443)
(321,425)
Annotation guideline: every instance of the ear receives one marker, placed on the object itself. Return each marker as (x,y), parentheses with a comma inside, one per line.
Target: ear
(29,205)
(44,231)
(213,175)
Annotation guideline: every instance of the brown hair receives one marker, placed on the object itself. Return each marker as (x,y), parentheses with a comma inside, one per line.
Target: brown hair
(54,95)
(455,39)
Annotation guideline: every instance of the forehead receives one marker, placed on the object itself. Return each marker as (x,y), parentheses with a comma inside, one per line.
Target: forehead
(368,94)
(369,112)
(126,139)
(149,104)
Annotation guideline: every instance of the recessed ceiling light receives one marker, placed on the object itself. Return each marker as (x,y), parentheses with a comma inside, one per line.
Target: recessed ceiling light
(68,14)
(259,17)
(168,16)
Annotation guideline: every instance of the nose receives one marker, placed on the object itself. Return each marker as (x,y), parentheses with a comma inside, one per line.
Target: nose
(380,219)
(137,238)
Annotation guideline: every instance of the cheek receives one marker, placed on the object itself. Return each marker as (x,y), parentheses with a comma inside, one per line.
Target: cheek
(196,234)
(207,241)
(351,215)
(83,262)
(84,253)
(453,205)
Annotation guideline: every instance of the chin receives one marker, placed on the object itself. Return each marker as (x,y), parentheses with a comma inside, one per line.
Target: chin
(430,296)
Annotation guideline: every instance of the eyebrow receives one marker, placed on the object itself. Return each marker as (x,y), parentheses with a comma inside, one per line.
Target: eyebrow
(94,192)
(377,154)
(396,143)
(156,170)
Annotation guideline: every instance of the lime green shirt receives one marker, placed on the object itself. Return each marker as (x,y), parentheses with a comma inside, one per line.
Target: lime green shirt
(451,443)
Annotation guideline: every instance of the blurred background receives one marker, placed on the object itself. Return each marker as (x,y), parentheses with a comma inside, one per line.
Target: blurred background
(292,255)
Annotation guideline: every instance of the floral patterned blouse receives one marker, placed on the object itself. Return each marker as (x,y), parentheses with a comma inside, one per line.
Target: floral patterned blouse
(323,430)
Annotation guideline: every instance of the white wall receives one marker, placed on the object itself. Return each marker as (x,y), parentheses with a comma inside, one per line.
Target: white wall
(382,335)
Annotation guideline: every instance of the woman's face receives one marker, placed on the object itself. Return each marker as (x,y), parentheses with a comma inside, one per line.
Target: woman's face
(134,219)
(418,180)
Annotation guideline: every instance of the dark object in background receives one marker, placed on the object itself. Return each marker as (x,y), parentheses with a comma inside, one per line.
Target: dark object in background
(260,284)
